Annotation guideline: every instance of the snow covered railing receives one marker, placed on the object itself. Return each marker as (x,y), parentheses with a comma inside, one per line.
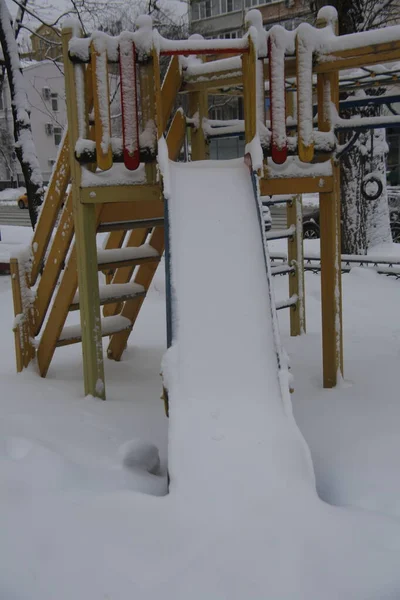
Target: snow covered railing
(383,265)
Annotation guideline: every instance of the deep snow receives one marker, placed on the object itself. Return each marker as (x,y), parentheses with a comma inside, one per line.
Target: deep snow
(72,526)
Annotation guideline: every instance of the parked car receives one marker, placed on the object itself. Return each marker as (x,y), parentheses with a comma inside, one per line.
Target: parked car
(23,201)
(311,227)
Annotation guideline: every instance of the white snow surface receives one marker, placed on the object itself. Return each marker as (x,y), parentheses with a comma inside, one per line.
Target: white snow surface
(73,520)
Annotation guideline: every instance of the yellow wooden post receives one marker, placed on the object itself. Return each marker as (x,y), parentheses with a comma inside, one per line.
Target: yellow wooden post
(101,102)
(170,88)
(52,204)
(86,250)
(296,259)
(304,100)
(24,350)
(148,109)
(330,226)
(249,92)
(198,110)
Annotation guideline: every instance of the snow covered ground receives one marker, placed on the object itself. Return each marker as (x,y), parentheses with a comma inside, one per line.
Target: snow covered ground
(73,524)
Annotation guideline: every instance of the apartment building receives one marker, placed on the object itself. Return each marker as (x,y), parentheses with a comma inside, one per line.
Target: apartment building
(225,18)
(44,83)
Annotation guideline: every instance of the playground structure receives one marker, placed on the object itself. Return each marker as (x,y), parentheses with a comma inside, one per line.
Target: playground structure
(122,185)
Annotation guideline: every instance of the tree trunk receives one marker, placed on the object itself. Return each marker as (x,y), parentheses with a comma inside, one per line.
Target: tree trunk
(377,211)
(24,145)
(354,238)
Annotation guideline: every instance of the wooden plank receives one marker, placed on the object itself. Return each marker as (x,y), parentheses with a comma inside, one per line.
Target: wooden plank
(296,258)
(176,135)
(86,219)
(52,203)
(120,193)
(124,274)
(144,277)
(198,105)
(132,211)
(354,62)
(115,239)
(148,108)
(55,323)
(366,49)
(305,148)
(249,92)
(54,264)
(158,101)
(101,105)
(331,284)
(330,227)
(193,85)
(297,185)
(24,350)
(169,90)
(128,262)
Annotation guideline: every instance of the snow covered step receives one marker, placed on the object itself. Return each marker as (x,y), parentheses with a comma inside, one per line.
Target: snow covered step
(72,334)
(278,234)
(286,303)
(129,225)
(124,257)
(282,269)
(114,292)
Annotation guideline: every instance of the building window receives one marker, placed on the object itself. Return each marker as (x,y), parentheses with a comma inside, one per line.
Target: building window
(1,102)
(57,135)
(195,11)
(229,5)
(208,8)
(54,102)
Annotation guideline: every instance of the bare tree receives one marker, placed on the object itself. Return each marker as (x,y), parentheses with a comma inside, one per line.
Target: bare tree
(24,144)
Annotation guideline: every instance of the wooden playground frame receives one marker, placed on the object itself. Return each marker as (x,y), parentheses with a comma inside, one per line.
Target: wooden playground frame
(131,209)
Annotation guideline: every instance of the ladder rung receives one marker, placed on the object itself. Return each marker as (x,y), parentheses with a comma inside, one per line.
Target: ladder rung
(124,257)
(114,292)
(287,303)
(72,334)
(129,225)
(282,270)
(279,234)
(278,200)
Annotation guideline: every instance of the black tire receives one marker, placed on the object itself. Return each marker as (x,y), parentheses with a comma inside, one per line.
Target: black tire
(21,204)
(395,229)
(378,192)
(310,231)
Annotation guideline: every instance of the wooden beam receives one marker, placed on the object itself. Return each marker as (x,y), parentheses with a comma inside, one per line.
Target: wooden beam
(249,91)
(176,135)
(148,107)
(330,227)
(101,105)
(86,220)
(132,211)
(52,203)
(294,216)
(24,350)
(297,185)
(120,193)
(198,107)
(54,265)
(198,85)
(169,90)
(143,276)
(124,274)
(354,62)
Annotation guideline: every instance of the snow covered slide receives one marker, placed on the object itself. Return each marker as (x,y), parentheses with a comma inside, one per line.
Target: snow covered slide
(230,411)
